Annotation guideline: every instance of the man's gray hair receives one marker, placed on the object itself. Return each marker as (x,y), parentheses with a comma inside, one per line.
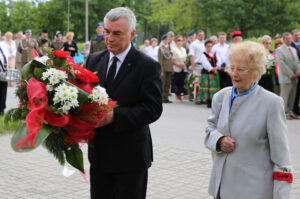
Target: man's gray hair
(285,34)
(122,12)
(265,38)
(295,31)
(170,34)
(213,37)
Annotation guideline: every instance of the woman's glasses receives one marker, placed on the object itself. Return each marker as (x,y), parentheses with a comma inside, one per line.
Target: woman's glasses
(238,70)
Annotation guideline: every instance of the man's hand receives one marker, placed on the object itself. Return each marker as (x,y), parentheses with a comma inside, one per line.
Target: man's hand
(227,144)
(295,76)
(162,74)
(107,120)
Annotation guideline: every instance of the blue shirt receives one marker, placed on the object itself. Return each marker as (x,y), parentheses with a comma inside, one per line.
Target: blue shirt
(100,36)
(235,95)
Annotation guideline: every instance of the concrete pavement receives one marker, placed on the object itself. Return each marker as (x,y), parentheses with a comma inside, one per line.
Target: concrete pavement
(180,170)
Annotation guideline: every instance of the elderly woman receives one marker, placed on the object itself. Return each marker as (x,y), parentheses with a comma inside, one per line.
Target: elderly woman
(70,46)
(179,68)
(247,130)
(266,80)
(152,50)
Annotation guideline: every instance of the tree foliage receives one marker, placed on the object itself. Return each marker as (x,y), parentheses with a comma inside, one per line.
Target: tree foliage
(154,17)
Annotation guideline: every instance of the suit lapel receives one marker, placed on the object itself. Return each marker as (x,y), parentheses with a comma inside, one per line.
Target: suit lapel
(101,68)
(125,67)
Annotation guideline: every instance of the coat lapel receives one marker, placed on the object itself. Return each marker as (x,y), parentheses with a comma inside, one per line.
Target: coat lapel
(125,68)
(101,68)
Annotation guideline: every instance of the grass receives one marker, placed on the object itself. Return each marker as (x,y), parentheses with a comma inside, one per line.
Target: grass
(7,128)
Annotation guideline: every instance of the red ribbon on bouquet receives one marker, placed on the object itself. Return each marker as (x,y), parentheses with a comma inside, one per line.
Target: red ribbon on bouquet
(36,92)
(81,127)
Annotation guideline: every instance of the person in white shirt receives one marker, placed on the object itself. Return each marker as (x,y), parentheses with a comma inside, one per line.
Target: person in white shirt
(179,68)
(152,50)
(221,50)
(195,51)
(10,47)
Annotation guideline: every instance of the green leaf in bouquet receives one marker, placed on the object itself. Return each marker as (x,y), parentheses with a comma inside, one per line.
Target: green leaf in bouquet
(29,71)
(22,131)
(71,76)
(74,157)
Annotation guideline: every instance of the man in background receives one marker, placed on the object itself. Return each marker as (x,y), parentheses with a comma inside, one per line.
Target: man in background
(289,71)
(44,35)
(27,45)
(98,42)
(19,37)
(165,60)
(58,42)
(221,50)
(144,47)
(296,45)
(236,36)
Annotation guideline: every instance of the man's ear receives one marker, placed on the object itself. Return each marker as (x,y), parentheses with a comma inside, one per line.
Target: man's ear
(132,34)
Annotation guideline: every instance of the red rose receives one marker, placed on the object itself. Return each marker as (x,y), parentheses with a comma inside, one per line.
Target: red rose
(60,54)
(85,75)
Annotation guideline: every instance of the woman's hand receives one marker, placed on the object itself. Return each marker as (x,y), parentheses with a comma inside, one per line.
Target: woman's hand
(227,144)
(71,48)
(181,65)
(215,70)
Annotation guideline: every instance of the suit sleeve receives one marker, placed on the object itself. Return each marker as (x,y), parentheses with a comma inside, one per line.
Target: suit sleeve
(149,108)
(212,133)
(279,150)
(282,65)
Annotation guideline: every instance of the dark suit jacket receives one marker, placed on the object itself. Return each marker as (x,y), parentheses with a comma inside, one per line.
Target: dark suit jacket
(295,46)
(125,145)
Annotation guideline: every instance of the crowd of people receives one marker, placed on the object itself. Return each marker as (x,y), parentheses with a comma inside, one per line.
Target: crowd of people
(199,67)
(14,54)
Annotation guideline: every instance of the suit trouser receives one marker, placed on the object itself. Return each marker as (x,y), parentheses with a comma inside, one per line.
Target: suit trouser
(120,185)
(296,108)
(3,93)
(166,80)
(288,93)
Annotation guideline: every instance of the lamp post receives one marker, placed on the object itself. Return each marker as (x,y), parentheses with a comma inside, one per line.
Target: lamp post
(86,20)
(68,16)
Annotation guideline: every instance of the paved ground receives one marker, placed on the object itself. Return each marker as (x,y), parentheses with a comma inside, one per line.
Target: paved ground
(180,171)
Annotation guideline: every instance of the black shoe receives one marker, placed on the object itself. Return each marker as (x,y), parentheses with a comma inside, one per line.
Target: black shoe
(167,101)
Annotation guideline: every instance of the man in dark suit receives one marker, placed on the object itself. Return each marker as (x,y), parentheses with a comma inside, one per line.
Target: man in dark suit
(122,149)
(296,45)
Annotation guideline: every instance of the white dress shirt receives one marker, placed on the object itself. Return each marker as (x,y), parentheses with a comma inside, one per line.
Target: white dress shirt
(196,49)
(153,52)
(121,57)
(221,52)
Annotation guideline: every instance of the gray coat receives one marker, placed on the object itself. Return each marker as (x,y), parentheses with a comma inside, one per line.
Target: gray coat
(288,65)
(257,123)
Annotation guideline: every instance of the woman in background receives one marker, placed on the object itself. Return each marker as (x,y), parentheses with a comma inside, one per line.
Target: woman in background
(152,50)
(210,81)
(70,46)
(11,49)
(179,68)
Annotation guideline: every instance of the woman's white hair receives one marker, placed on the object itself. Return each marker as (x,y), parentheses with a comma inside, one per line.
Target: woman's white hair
(266,38)
(252,53)
(122,12)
